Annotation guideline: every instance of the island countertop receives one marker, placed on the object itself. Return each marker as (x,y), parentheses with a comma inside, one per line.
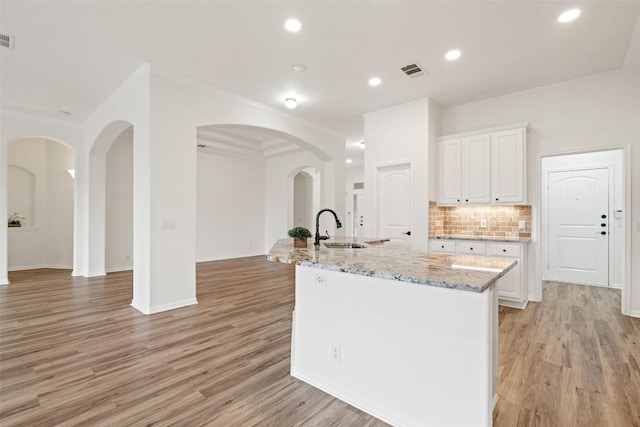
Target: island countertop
(463,272)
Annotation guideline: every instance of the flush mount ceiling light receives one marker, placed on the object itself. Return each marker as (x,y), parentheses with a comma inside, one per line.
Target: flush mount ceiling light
(64,113)
(452,55)
(293,25)
(375,81)
(349,161)
(569,15)
(290,103)
(298,68)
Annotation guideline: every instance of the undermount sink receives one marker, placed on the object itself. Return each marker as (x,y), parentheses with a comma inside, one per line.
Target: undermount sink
(344,245)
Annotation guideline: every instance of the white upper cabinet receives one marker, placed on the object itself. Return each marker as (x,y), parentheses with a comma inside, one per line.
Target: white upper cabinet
(483,167)
(449,167)
(508,169)
(476,169)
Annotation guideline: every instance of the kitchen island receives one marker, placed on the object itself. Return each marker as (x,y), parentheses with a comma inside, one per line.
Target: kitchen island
(408,337)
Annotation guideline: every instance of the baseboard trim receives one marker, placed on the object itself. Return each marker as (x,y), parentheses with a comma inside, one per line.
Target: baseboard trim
(513,304)
(96,274)
(164,307)
(118,269)
(36,267)
(226,257)
(634,313)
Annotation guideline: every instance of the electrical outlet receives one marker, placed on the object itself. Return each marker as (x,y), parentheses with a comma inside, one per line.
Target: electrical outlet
(522,224)
(483,223)
(320,279)
(336,353)
(168,224)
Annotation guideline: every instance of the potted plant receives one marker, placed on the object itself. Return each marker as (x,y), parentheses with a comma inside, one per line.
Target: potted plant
(300,235)
(15,220)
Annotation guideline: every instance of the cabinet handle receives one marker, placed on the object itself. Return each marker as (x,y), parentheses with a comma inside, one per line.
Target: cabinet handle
(466,200)
(603,225)
(442,246)
(471,248)
(458,199)
(603,232)
(504,250)
(603,216)
(496,199)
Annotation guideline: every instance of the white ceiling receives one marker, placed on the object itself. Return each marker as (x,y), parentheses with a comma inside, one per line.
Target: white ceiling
(72,55)
(245,142)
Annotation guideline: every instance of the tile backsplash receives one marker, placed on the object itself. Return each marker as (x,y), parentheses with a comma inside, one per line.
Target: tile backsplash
(465,221)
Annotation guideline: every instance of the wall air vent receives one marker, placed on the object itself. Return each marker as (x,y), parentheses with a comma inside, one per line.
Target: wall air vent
(6,40)
(413,70)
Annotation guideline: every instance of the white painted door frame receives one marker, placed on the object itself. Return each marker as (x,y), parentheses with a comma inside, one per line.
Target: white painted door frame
(610,217)
(536,288)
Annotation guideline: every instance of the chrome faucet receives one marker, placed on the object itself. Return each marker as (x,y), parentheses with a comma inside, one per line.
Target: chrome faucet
(318,236)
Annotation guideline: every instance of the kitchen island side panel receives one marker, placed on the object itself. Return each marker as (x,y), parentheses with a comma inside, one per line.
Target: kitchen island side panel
(409,354)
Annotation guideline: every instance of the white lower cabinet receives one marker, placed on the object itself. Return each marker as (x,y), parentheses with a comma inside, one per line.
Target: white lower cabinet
(512,287)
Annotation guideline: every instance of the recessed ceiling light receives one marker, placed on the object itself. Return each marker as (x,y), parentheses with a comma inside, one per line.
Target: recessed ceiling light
(452,55)
(349,161)
(299,68)
(569,15)
(293,25)
(64,113)
(375,81)
(290,103)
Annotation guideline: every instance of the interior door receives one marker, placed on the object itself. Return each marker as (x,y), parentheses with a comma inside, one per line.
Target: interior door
(395,205)
(578,215)
(358,214)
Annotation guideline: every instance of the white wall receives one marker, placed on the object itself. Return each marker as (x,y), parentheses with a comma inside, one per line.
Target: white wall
(230,207)
(590,113)
(395,135)
(119,204)
(46,238)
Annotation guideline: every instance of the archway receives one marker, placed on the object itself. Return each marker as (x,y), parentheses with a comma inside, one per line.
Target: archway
(40,197)
(97,194)
(302,200)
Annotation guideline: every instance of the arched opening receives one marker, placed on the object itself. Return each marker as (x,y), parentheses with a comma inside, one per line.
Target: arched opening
(119,204)
(40,204)
(110,239)
(302,200)
(245,188)
(304,197)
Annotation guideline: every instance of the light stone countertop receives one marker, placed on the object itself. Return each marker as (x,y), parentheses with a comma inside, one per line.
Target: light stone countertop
(463,272)
(481,238)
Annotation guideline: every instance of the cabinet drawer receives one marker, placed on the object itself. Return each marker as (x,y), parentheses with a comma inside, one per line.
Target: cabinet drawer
(470,248)
(442,246)
(506,250)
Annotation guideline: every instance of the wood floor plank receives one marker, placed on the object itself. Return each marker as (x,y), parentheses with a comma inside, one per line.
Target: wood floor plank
(73,352)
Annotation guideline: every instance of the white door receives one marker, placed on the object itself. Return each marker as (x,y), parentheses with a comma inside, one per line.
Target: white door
(395,205)
(578,215)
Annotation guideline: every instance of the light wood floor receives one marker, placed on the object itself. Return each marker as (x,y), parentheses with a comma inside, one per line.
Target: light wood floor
(73,352)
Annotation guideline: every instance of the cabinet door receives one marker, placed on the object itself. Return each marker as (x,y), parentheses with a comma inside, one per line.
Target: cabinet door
(449,172)
(476,169)
(508,166)
(509,284)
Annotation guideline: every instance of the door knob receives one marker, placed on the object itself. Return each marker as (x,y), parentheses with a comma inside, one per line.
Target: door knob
(408,233)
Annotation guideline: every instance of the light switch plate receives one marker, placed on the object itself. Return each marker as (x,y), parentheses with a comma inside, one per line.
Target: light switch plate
(522,224)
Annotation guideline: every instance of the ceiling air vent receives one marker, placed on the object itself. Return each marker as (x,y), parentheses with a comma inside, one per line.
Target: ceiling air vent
(413,70)
(6,40)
